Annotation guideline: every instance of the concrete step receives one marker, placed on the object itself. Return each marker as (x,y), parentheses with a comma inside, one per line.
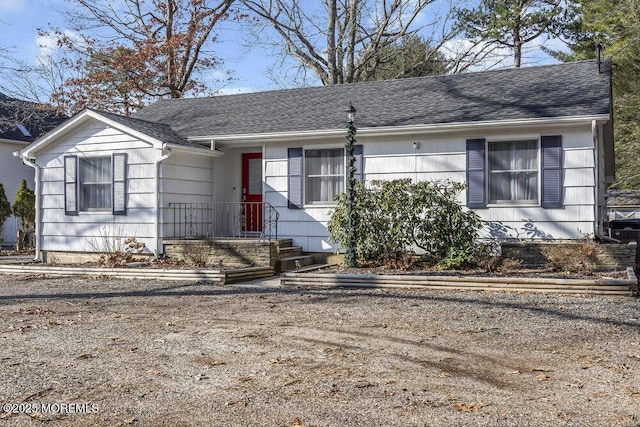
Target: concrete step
(289,251)
(285,243)
(293,263)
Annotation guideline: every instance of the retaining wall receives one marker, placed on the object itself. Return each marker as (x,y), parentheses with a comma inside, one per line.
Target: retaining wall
(597,256)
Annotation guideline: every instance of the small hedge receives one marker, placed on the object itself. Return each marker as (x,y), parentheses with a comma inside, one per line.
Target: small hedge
(395,220)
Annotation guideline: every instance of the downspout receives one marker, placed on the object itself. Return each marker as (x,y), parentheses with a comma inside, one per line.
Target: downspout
(38,209)
(159,201)
(596,161)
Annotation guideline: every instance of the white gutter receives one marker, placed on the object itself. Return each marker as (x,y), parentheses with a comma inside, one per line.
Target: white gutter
(157,224)
(14,141)
(400,130)
(36,190)
(195,150)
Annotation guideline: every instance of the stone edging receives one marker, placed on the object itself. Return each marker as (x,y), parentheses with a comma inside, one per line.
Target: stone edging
(593,286)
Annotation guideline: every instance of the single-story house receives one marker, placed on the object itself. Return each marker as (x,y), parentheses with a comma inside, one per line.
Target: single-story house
(533,145)
(21,122)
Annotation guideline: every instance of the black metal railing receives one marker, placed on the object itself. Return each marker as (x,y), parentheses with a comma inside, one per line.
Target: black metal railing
(249,220)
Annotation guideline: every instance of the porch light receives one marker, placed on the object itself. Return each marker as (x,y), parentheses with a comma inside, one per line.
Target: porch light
(351,113)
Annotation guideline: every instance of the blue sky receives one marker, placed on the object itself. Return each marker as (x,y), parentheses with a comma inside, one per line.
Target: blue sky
(20,19)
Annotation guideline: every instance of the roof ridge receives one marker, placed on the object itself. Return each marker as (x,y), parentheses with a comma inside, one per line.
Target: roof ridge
(406,80)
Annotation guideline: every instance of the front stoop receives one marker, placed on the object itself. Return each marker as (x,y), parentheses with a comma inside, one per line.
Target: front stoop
(622,287)
(291,258)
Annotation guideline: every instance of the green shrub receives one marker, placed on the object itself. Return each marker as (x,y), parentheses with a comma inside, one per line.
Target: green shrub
(397,217)
(5,210)
(24,207)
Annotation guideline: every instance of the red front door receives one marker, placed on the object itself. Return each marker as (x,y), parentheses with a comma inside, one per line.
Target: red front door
(252,191)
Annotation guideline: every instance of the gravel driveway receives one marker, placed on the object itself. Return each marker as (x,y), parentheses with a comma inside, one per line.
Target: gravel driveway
(115,352)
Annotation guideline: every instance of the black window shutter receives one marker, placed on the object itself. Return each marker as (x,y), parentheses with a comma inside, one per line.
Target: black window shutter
(70,185)
(357,153)
(294,178)
(476,174)
(551,171)
(119,183)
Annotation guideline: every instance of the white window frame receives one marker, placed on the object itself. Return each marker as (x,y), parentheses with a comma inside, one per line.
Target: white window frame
(306,202)
(81,183)
(538,170)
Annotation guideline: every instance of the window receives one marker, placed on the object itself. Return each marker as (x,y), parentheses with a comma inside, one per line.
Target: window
(513,171)
(95,184)
(324,175)
(525,171)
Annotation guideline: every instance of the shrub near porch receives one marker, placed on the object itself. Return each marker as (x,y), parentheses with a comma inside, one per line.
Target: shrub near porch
(395,217)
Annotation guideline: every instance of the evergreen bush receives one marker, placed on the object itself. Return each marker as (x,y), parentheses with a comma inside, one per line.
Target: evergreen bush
(399,218)
(5,210)
(24,207)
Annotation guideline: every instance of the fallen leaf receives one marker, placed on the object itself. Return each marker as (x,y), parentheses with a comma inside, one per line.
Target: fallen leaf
(86,356)
(467,407)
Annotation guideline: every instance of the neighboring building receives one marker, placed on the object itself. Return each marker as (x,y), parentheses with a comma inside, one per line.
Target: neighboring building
(534,145)
(623,204)
(21,122)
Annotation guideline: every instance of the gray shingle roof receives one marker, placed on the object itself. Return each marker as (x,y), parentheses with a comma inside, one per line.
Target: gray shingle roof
(159,131)
(562,90)
(37,119)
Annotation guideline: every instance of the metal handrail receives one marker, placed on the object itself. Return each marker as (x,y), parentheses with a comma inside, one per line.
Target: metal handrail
(244,220)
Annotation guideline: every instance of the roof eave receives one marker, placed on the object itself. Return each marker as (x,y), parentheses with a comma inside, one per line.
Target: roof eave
(195,150)
(51,136)
(402,130)
(14,141)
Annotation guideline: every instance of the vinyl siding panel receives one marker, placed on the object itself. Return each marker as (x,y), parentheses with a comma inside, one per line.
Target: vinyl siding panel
(83,232)
(185,178)
(441,157)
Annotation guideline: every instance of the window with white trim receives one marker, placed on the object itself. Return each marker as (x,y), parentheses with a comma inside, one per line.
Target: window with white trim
(525,171)
(95,184)
(513,171)
(324,175)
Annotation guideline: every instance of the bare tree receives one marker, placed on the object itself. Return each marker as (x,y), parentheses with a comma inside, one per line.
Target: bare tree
(152,48)
(343,41)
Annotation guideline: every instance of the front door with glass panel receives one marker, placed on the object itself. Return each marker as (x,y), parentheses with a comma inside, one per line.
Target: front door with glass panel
(252,192)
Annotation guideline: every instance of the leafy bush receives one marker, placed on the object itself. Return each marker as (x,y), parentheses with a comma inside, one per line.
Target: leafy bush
(396,217)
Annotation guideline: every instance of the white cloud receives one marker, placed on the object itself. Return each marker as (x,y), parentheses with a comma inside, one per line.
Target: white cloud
(48,45)
(490,57)
(482,56)
(234,90)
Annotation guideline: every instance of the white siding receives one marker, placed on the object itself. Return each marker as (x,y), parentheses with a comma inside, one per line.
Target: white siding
(444,157)
(12,171)
(90,231)
(185,178)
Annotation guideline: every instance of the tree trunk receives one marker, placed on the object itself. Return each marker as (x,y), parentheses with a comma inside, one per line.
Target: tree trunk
(331,42)
(351,41)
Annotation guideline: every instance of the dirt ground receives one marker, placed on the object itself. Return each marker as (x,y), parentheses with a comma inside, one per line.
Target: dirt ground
(118,352)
